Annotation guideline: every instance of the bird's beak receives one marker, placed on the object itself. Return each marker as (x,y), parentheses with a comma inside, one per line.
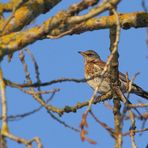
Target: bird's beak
(82,53)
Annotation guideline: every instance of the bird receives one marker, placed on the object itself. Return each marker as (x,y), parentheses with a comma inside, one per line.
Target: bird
(93,67)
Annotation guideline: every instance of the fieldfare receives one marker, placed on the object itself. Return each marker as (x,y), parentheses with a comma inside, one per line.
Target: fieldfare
(93,66)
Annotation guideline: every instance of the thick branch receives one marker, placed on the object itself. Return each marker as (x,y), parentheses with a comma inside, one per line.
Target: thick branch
(114,39)
(27,13)
(127,20)
(16,41)
(7,7)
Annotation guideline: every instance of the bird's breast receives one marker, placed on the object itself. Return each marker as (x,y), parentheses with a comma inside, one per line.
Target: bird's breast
(94,70)
(91,69)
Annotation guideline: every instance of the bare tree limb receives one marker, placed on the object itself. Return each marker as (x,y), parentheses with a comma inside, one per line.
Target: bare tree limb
(114,40)
(29,11)
(5,128)
(16,41)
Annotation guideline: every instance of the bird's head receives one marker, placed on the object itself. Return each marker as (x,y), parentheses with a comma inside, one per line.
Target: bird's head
(89,55)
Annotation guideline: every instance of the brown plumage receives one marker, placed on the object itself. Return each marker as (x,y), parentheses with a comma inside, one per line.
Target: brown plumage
(93,65)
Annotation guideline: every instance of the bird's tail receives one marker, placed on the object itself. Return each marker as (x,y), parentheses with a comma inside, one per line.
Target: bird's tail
(139,91)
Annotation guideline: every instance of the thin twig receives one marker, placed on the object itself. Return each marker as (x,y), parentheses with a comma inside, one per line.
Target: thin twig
(35,66)
(23,115)
(106,104)
(130,84)
(27,73)
(62,122)
(31,92)
(28,143)
(104,125)
(60,80)
(133,127)
(140,105)
(4,128)
(135,131)
(70,31)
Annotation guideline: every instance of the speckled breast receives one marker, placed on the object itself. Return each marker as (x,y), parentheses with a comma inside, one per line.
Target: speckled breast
(102,82)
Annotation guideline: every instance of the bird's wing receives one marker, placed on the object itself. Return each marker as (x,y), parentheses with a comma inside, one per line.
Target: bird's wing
(122,77)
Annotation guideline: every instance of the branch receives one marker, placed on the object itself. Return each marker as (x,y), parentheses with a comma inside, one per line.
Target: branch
(60,80)
(76,8)
(4,128)
(144,116)
(136,131)
(28,143)
(105,5)
(114,40)
(27,13)
(8,7)
(104,125)
(15,7)
(140,105)
(17,40)
(69,109)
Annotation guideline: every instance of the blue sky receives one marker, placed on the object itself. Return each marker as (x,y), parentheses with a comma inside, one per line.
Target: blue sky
(59,58)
